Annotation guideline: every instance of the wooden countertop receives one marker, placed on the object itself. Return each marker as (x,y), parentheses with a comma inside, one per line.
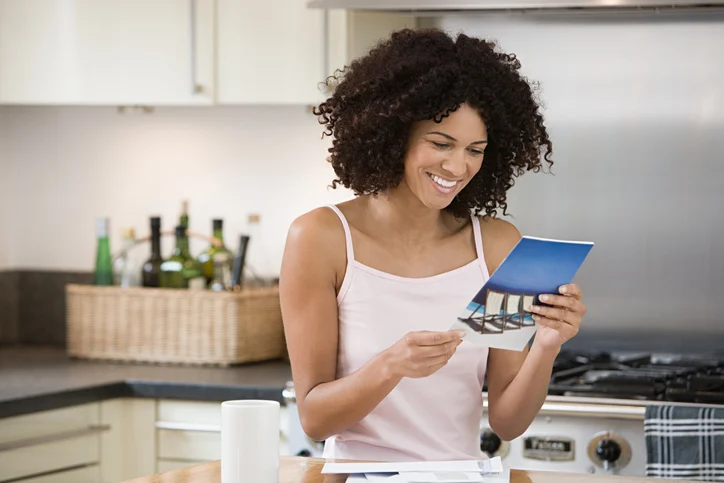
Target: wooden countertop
(307,470)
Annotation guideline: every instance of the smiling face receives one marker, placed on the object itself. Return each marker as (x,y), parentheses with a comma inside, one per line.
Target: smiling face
(443,157)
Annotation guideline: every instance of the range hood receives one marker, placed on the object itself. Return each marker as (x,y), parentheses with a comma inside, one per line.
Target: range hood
(516,5)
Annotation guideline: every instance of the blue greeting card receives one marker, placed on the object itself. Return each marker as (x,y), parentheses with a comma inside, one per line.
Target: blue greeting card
(499,315)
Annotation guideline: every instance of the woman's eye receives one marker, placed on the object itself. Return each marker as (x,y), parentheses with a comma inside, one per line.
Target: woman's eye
(476,152)
(440,145)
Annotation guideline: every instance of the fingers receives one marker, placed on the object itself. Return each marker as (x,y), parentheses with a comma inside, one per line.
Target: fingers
(445,350)
(566,330)
(429,338)
(550,312)
(571,289)
(567,302)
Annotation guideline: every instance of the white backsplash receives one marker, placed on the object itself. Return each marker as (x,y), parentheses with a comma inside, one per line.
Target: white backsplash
(63,166)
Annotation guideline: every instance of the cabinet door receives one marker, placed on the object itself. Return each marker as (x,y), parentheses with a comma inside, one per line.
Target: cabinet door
(106,52)
(270,52)
(88,474)
(50,441)
(353,33)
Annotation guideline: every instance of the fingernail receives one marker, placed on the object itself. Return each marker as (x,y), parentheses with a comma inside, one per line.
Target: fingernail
(461,333)
(535,317)
(535,308)
(544,298)
(563,289)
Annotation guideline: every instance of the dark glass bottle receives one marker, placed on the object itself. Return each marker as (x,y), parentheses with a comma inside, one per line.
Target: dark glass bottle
(152,267)
(206,258)
(181,270)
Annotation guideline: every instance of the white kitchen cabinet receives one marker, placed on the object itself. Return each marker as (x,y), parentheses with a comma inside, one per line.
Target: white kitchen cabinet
(280,53)
(269,52)
(88,474)
(178,52)
(189,432)
(128,447)
(107,52)
(353,33)
(51,442)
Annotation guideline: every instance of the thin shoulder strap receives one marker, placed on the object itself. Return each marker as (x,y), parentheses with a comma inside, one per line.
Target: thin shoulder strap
(347,233)
(479,245)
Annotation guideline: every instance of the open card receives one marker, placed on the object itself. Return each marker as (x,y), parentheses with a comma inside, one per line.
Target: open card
(499,315)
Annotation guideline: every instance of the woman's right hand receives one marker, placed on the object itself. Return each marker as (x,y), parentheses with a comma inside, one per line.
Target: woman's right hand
(422,353)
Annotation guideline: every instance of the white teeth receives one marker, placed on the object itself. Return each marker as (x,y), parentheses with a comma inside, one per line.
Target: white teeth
(442,182)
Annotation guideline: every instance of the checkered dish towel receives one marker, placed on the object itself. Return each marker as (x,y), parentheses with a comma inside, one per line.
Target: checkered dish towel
(685,442)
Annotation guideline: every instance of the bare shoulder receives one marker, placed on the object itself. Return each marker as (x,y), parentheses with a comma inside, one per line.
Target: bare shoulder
(316,241)
(499,238)
(316,225)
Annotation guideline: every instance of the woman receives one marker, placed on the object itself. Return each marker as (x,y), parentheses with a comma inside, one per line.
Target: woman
(429,132)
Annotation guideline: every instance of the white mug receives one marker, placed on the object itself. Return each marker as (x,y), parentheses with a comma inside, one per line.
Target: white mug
(250,441)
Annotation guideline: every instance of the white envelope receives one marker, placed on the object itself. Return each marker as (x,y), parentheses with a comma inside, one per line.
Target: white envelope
(487,466)
(430,477)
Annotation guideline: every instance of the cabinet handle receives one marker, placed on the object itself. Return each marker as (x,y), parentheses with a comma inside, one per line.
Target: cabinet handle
(325,44)
(196,428)
(50,438)
(195,88)
(199,428)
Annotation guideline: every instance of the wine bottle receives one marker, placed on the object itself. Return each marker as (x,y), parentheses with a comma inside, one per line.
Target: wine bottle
(103,272)
(125,273)
(206,258)
(183,219)
(222,272)
(181,270)
(152,267)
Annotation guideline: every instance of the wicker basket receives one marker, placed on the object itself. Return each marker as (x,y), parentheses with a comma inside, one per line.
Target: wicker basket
(180,326)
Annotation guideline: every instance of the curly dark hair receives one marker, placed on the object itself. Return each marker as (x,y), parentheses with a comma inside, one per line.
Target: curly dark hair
(425,74)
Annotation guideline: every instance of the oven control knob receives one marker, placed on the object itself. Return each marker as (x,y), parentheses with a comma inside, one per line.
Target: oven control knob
(608,450)
(489,442)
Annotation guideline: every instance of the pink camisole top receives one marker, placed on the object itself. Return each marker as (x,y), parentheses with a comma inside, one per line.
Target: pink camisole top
(430,418)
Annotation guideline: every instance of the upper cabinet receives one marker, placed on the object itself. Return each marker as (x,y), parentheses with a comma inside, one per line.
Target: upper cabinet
(178,52)
(91,52)
(269,52)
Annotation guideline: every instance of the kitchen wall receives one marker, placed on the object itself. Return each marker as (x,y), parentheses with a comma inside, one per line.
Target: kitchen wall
(68,165)
(635,108)
(5,183)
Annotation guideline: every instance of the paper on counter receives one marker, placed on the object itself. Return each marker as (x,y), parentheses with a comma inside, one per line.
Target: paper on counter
(431,477)
(493,465)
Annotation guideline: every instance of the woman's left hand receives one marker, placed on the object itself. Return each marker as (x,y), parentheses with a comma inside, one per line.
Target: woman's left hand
(561,321)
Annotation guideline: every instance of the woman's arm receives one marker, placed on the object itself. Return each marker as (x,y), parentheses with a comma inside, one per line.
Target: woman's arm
(307,285)
(518,381)
(313,263)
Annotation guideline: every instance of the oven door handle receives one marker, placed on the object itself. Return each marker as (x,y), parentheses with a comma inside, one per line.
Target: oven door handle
(609,411)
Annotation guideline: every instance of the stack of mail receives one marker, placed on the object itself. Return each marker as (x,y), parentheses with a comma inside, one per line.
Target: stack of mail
(464,471)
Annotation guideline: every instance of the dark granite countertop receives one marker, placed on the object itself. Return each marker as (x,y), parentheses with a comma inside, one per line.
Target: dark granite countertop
(41,378)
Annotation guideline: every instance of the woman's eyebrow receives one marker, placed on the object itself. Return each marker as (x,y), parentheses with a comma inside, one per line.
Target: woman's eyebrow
(455,140)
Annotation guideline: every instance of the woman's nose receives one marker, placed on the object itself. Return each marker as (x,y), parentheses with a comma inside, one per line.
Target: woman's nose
(455,164)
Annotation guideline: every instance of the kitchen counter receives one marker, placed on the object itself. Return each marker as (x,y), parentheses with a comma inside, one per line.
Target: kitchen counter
(40,378)
(307,470)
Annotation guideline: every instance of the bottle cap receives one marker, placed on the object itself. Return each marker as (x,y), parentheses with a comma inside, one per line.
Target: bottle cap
(102,227)
(129,232)
(155,222)
(218,224)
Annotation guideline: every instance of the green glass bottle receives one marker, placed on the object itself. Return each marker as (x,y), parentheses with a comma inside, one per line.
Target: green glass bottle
(151,269)
(181,270)
(103,272)
(183,219)
(206,258)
